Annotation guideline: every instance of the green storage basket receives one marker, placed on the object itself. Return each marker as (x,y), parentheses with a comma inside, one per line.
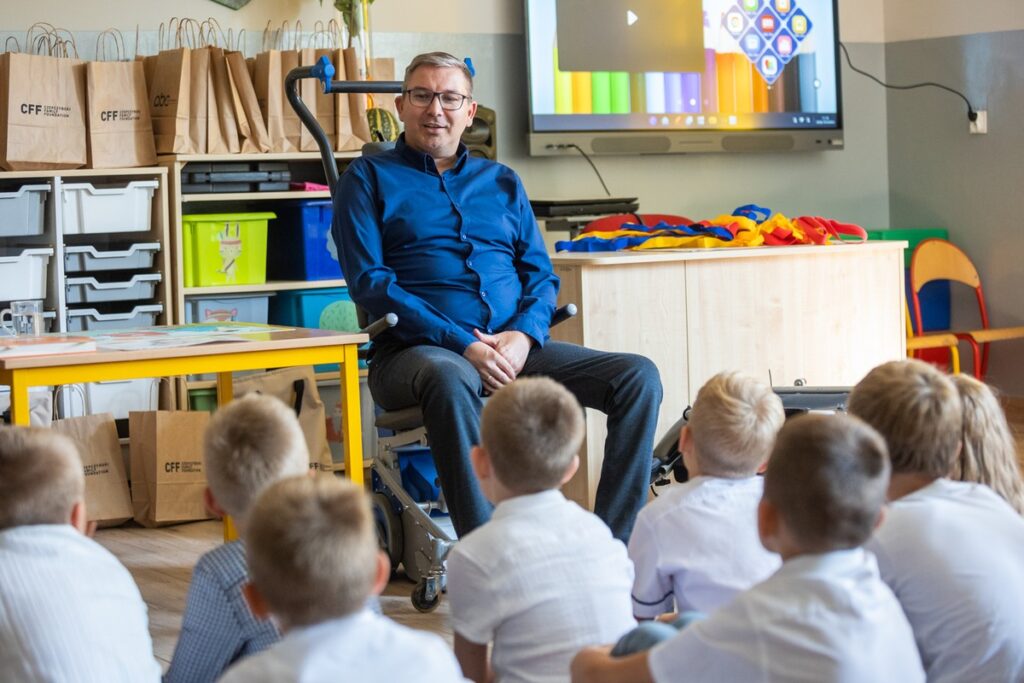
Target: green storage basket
(225,248)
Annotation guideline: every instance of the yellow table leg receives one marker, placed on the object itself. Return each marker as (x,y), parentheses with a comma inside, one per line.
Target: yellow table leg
(225,390)
(351,431)
(230,530)
(19,401)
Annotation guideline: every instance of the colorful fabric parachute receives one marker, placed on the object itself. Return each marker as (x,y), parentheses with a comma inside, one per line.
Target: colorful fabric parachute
(746,226)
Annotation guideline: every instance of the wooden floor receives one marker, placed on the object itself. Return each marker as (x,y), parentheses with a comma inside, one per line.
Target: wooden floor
(161,561)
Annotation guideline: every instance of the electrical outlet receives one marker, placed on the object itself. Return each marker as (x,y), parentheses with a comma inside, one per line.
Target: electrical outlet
(980,125)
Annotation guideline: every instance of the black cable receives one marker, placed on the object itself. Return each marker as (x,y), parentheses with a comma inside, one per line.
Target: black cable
(972,115)
(587,157)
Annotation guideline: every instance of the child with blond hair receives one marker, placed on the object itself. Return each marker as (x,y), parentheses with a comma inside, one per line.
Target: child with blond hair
(989,452)
(69,611)
(249,444)
(543,577)
(314,558)
(825,615)
(696,546)
(952,551)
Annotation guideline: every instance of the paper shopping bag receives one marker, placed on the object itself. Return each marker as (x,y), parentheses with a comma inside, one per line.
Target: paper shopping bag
(269,86)
(251,126)
(199,100)
(170,101)
(297,388)
(294,130)
(168,479)
(107,501)
(120,131)
(346,137)
(224,102)
(354,71)
(42,112)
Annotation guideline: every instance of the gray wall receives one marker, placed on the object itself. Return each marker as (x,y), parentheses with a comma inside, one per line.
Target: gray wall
(971,184)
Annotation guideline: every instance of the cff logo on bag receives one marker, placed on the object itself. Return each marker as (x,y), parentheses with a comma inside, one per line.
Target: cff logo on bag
(183,466)
(50,110)
(120,115)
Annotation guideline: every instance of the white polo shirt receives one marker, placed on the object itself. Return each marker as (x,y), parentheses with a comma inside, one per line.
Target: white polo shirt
(953,553)
(541,580)
(818,618)
(69,611)
(695,547)
(364,647)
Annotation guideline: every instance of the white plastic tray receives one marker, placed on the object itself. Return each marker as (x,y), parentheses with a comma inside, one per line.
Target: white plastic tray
(23,273)
(21,211)
(91,209)
(81,290)
(87,258)
(82,319)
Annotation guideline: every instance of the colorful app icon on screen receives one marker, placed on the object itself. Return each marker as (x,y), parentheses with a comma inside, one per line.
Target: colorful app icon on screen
(752,44)
(769,65)
(784,45)
(734,22)
(799,24)
(767,23)
(751,6)
(783,6)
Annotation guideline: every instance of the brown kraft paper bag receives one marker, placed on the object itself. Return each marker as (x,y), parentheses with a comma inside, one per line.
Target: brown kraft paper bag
(356,101)
(120,132)
(106,484)
(42,112)
(251,125)
(199,100)
(168,479)
(297,388)
(224,102)
(269,85)
(170,101)
(296,133)
(384,70)
(346,138)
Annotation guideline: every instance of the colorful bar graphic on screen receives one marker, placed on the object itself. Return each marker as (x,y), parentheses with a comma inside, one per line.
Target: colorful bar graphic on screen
(758,59)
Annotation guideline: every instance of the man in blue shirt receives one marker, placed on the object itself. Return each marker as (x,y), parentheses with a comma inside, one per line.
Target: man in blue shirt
(449,243)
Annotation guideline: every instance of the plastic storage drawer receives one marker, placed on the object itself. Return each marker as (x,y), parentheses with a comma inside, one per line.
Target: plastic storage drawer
(246,309)
(23,273)
(22,210)
(89,290)
(82,319)
(87,258)
(122,397)
(225,249)
(297,243)
(124,208)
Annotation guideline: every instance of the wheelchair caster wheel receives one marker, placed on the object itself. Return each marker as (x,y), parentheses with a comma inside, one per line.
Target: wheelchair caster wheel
(389,528)
(425,597)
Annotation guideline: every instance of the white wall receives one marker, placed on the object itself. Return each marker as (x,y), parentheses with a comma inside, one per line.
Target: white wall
(918,19)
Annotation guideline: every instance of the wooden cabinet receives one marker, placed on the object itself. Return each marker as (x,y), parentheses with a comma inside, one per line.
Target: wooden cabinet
(821,314)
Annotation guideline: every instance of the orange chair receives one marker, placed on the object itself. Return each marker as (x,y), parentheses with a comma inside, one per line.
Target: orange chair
(937,259)
(941,340)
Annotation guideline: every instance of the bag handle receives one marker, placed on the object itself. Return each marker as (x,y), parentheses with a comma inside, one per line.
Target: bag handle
(116,39)
(299,387)
(7,44)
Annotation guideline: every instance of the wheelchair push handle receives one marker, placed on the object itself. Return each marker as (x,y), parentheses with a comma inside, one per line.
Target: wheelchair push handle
(388,321)
(564,313)
(323,71)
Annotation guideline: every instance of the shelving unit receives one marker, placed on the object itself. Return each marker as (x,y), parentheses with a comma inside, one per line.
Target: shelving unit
(55,236)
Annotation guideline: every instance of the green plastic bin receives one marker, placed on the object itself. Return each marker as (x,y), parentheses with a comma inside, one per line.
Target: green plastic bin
(202,399)
(225,248)
(913,236)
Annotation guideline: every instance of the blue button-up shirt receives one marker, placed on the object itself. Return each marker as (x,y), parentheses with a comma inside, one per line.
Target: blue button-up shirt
(448,252)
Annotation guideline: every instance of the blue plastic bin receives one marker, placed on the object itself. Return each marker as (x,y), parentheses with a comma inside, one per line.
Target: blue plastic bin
(297,242)
(303,308)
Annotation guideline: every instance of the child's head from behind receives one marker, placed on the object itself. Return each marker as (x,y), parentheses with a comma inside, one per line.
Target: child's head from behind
(989,452)
(249,444)
(41,478)
(531,431)
(312,549)
(917,411)
(732,425)
(826,482)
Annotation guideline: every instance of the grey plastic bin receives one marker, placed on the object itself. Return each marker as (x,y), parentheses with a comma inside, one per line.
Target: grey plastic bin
(88,290)
(22,210)
(248,309)
(82,319)
(119,208)
(87,258)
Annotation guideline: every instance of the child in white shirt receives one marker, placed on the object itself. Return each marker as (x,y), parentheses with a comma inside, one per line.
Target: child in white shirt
(952,552)
(696,546)
(69,611)
(543,577)
(825,615)
(314,560)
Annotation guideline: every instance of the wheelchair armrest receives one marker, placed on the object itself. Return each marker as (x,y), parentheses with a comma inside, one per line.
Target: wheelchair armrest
(564,313)
(380,324)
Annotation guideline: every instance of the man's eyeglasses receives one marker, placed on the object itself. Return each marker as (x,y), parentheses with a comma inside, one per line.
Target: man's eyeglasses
(421,97)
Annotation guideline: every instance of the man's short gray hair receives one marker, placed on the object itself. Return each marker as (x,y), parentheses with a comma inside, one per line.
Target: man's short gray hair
(441,60)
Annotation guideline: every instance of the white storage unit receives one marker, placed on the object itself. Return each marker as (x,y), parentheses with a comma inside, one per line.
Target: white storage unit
(22,210)
(247,309)
(81,290)
(82,319)
(126,207)
(87,258)
(121,397)
(23,273)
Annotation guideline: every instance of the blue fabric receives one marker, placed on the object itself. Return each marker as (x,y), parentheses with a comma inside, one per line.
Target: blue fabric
(596,242)
(447,252)
(217,628)
(650,633)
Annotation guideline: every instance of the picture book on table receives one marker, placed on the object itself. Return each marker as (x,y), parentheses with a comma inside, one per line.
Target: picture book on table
(42,345)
